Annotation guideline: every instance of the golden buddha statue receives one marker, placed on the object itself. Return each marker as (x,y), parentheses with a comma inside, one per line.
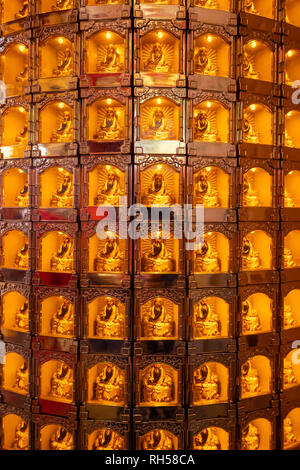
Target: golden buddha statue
(250,257)
(109,127)
(22,379)
(288,261)
(64,133)
(63,259)
(288,373)
(109,385)
(159,439)
(251,320)
(112,60)
(62,5)
(157,385)
(250,196)
(288,199)
(62,322)
(109,259)
(250,438)
(249,7)
(22,199)
(204,63)
(110,191)
(107,439)
(248,67)
(61,439)
(21,260)
(158,322)
(249,134)
(204,192)
(206,3)
(64,63)
(289,437)
(250,379)
(158,260)
(157,194)
(203,128)
(23,10)
(207,259)
(20,441)
(61,384)
(156,61)
(288,317)
(157,129)
(109,322)
(22,317)
(205,321)
(288,140)
(206,385)
(23,76)
(22,137)
(64,193)
(207,440)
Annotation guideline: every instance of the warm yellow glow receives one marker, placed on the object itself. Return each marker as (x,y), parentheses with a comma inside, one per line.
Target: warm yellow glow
(290,53)
(20,171)
(22,110)
(253,44)
(108,101)
(253,170)
(60,40)
(158,101)
(209,38)
(208,104)
(108,35)
(160,34)
(252,107)
(21,48)
(289,114)
(61,105)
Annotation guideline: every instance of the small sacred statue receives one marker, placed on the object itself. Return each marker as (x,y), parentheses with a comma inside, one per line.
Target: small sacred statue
(22,137)
(205,61)
(22,199)
(62,321)
(22,379)
(248,67)
(63,259)
(20,441)
(23,10)
(288,317)
(108,125)
(288,260)
(205,189)
(250,379)
(206,385)
(158,259)
(251,320)
(288,140)
(109,61)
(61,384)
(158,128)
(157,385)
(250,438)
(205,321)
(109,258)
(289,437)
(249,6)
(250,196)
(109,189)
(288,373)
(61,439)
(21,260)
(109,385)
(207,259)
(288,200)
(207,440)
(64,133)
(249,134)
(156,61)
(64,63)
(156,193)
(158,321)
(62,5)
(159,439)
(23,76)
(107,439)
(63,197)
(250,257)
(22,317)
(205,127)
(206,4)
(109,322)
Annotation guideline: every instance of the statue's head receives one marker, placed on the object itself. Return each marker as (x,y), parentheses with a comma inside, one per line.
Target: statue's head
(67,116)
(111,113)
(202,116)
(158,114)
(157,49)
(202,52)
(111,49)
(246,246)
(112,176)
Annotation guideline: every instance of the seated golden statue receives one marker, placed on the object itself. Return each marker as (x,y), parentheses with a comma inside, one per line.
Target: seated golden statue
(203,129)
(157,193)
(248,67)
(250,438)
(63,259)
(158,260)
(22,199)
(110,128)
(61,439)
(109,385)
(109,259)
(251,320)
(206,3)
(23,76)
(61,384)
(204,193)
(203,64)
(20,441)
(109,323)
(249,134)
(62,5)
(23,10)
(64,193)
(288,200)
(22,137)
(107,439)
(159,439)
(112,60)
(289,437)
(207,259)
(250,257)
(250,379)
(157,385)
(21,260)
(22,378)
(250,196)
(62,322)
(158,322)
(288,373)
(206,321)
(156,61)
(249,7)
(22,317)
(288,317)
(288,261)
(111,192)
(64,133)
(288,141)
(157,129)
(64,63)
(207,440)
(206,385)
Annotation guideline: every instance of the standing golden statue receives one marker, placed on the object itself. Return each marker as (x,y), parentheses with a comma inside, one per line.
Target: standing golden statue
(250,258)
(22,199)
(62,321)
(63,197)
(62,5)
(61,384)
(207,259)
(64,63)
(158,321)
(207,440)
(206,385)
(250,381)
(109,386)
(21,260)
(206,322)
(250,438)
(23,10)
(21,439)
(157,385)
(159,439)
(251,319)
(157,193)
(288,374)
(110,190)
(22,317)
(61,439)
(108,127)
(156,61)
(289,438)
(109,258)
(205,61)
(107,439)
(158,260)
(64,133)
(111,61)
(109,322)
(250,196)
(204,192)
(22,379)
(62,261)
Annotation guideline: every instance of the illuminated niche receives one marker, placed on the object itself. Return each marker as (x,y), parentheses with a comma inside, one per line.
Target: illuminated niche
(258,125)
(56,252)
(158,385)
(159,119)
(106,384)
(257,435)
(159,255)
(291,429)
(158,439)
(257,188)
(210,384)
(55,437)
(56,381)
(211,187)
(106,184)
(14,138)
(105,53)
(292,8)
(56,57)
(106,120)
(258,61)
(159,319)
(15,188)
(257,251)
(47,6)
(56,188)
(56,123)
(15,374)
(256,377)
(292,66)
(14,10)
(291,133)
(56,317)
(291,193)
(211,438)
(256,314)
(15,250)
(15,433)
(211,56)
(291,313)
(15,312)
(291,251)
(210,318)
(159,185)
(260,7)
(106,255)
(159,52)
(14,68)
(105,439)
(106,318)
(213,255)
(290,372)
(210,122)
